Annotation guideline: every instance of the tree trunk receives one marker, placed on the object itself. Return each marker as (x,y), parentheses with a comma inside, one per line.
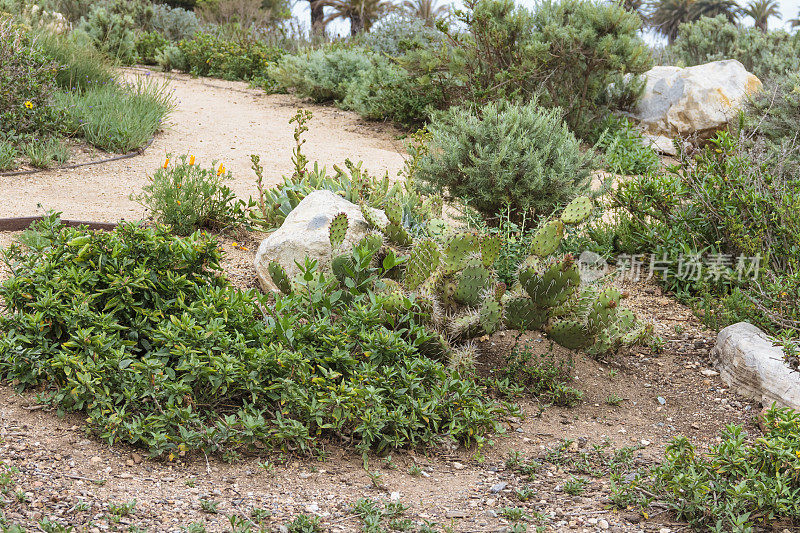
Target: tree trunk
(356,24)
(317,17)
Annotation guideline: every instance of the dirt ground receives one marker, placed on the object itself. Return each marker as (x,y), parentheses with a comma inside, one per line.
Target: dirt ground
(62,474)
(216,121)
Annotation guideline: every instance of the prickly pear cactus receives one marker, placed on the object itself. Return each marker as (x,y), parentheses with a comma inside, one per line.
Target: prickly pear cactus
(457,251)
(490,249)
(279,277)
(472,282)
(394,212)
(338,230)
(422,263)
(397,234)
(577,211)
(548,238)
(369,215)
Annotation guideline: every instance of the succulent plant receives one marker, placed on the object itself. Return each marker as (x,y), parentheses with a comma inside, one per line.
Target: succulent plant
(279,277)
(338,230)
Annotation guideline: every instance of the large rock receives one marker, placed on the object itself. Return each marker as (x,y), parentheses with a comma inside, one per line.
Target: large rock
(304,233)
(749,363)
(681,102)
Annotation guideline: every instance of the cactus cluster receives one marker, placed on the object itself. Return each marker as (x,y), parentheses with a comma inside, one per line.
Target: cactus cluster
(447,277)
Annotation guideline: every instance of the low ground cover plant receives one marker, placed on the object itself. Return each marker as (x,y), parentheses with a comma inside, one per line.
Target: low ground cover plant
(743,481)
(137,328)
(623,149)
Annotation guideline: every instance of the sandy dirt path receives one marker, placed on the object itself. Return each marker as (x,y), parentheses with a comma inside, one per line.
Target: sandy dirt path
(214,120)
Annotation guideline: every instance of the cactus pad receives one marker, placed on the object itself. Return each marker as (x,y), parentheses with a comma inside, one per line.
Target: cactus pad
(548,238)
(457,251)
(422,262)
(490,249)
(279,277)
(397,234)
(523,314)
(577,210)
(466,326)
(394,211)
(555,286)
(369,215)
(490,315)
(472,281)
(570,334)
(338,230)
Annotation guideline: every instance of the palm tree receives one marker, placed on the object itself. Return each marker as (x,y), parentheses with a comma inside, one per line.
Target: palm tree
(317,16)
(713,8)
(427,10)
(761,10)
(635,6)
(360,13)
(795,23)
(668,15)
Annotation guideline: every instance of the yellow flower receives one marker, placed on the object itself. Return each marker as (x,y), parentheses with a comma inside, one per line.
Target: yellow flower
(166,163)
(28,104)
(191,160)
(178,202)
(221,170)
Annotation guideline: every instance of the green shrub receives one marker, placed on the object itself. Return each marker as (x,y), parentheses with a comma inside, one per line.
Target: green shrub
(118,117)
(765,54)
(398,33)
(137,329)
(518,156)
(149,46)
(567,52)
(740,483)
(623,148)
(208,54)
(27,81)
(173,23)
(111,32)
(187,197)
(324,74)
(773,114)
(590,45)
(729,203)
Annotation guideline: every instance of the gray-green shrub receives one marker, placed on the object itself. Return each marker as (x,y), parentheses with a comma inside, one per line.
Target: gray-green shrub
(765,54)
(324,74)
(521,157)
(173,23)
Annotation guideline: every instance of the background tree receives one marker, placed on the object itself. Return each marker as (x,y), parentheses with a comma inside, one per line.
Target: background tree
(711,8)
(361,13)
(668,15)
(795,23)
(761,10)
(427,10)
(635,6)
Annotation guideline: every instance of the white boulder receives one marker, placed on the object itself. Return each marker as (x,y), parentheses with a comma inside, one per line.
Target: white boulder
(752,366)
(681,102)
(304,233)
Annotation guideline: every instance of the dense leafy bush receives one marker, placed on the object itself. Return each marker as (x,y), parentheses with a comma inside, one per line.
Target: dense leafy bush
(731,202)
(149,46)
(27,80)
(137,329)
(740,483)
(623,148)
(521,157)
(397,34)
(188,197)
(772,114)
(567,52)
(765,54)
(208,54)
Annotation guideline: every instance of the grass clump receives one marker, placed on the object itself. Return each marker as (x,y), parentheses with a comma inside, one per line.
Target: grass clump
(119,117)
(623,149)
(137,329)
